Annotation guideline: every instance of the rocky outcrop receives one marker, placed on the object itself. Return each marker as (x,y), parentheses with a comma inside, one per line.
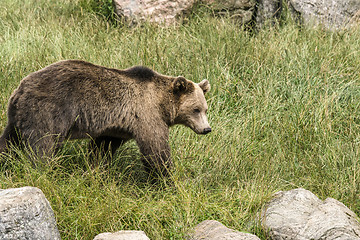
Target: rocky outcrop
(25,213)
(332,15)
(298,214)
(168,12)
(158,11)
(214,230)
(122,235)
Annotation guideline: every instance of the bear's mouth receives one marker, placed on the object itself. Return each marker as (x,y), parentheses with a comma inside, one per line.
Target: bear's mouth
(206,131)
(202,131)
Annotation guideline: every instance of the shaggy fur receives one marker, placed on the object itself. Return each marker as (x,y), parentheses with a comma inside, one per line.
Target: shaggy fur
(75,99)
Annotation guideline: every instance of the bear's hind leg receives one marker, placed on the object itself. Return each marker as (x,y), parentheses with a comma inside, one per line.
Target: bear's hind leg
(9,136)
(47,145)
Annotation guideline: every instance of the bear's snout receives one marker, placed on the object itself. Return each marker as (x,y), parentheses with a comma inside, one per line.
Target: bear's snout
(206,130)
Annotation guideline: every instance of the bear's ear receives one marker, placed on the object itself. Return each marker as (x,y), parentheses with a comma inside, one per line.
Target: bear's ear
(180,85)
(204,85)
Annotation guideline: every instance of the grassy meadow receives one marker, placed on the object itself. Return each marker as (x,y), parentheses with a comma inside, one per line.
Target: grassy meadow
(284,109)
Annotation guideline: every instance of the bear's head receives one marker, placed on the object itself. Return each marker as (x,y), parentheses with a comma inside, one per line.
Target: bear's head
(191,104)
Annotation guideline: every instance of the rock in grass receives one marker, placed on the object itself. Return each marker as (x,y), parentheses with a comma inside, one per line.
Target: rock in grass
(25,213)
(333,15)
(122,235)
(214,230)
(161,11)
(298,214)
(169,12)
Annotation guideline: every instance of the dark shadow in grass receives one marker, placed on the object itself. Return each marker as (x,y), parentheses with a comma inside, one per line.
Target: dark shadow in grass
(73,159)
(124,167)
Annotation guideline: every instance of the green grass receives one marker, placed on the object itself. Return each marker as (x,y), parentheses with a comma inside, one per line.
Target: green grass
(284,108)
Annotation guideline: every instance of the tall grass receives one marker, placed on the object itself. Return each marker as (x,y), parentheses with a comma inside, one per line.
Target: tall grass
(284,109)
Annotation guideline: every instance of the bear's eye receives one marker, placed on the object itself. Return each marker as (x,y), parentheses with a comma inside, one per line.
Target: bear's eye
(196,110)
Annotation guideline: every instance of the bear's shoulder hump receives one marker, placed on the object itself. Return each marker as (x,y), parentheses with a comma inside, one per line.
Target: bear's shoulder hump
(140,72)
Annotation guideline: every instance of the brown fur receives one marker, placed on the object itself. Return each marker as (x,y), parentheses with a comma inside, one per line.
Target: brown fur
(75,99)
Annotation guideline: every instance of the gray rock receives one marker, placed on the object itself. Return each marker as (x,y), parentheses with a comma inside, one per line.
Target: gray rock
(158,11)
(299,215)
(122,235)
(214,230)
(268,11)
(25,213)
(333,15)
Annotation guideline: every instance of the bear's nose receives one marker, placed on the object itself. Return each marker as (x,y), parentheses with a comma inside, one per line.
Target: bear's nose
(206,130)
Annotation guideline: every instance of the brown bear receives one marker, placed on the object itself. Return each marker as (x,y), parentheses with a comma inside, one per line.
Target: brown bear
(74,99)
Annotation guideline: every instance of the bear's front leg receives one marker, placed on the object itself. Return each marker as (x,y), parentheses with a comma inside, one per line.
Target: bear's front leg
(154,146)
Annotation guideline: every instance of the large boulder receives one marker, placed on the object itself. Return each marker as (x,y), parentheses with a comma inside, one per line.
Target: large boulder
(214,230)
(122,235)
(169,12)
(25,213)
(299,215)
(332,15)
(158,11)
